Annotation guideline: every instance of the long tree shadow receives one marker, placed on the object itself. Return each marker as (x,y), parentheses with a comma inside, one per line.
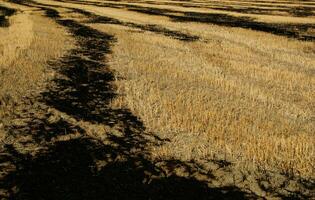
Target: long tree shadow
(290,30)
(4,14)
(94,18)
(248,8)
(82,167)
(85,168)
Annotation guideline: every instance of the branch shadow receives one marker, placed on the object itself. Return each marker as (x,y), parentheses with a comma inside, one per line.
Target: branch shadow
(82,167)
(243,7)
(5,12)
(302,11)
(94,18)
(85,168)
(297,31)
(290,30)
(74,165)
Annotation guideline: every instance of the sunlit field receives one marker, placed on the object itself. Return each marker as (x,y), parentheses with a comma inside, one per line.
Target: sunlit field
(155,99)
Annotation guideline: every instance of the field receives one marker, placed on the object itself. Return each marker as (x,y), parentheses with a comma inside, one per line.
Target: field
(157,99)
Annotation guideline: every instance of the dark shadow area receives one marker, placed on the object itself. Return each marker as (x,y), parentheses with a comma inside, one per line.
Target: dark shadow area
(84,167)
(298,31)
(144,27)
(248,2)
(290,30)
(153,11)
(252,10)
(41,129)
(93,18)
(225,6)
(51,13)
(72,164)
(147,27)
(276,10)
(302,11)
(83,91)
(304,2)
(269,9)
(5,13)
(307,184)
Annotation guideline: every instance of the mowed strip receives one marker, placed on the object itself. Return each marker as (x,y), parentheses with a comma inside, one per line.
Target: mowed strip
(94,16)
(246,109)
(294,27)
(235,96)
(205,10)
(260,82)
(249,95)
(22,65)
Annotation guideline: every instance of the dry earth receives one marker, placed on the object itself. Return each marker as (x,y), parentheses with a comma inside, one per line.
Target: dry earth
(157,99)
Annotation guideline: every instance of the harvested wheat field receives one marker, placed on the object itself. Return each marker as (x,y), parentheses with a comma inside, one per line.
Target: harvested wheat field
(157,99)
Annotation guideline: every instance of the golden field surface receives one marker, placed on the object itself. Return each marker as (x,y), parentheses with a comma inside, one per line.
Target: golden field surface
(157,99)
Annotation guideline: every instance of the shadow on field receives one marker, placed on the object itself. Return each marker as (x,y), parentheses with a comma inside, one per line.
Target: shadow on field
(77,166)
(298,31)
(85,90)
(84,168)
(290,30)
(302,11)
(4,14)
(93,18)
(147,27)
(278,11)
(242,7)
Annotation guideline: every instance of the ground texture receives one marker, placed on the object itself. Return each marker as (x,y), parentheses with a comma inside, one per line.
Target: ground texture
(157,99)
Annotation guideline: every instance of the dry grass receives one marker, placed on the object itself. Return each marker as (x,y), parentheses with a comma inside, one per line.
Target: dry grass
(36,41)
(236,94)
(297,26)
(205,8)
(231,108)
(257,106)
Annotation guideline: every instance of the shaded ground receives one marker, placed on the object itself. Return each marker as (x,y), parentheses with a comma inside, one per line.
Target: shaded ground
(94,18)
(148,27)
(68,170)
(278,8)
(297,31)
(74,155)
(4,14)
(242,7)
(69,162)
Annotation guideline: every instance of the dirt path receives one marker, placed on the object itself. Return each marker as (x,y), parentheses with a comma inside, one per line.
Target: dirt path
(71,144)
